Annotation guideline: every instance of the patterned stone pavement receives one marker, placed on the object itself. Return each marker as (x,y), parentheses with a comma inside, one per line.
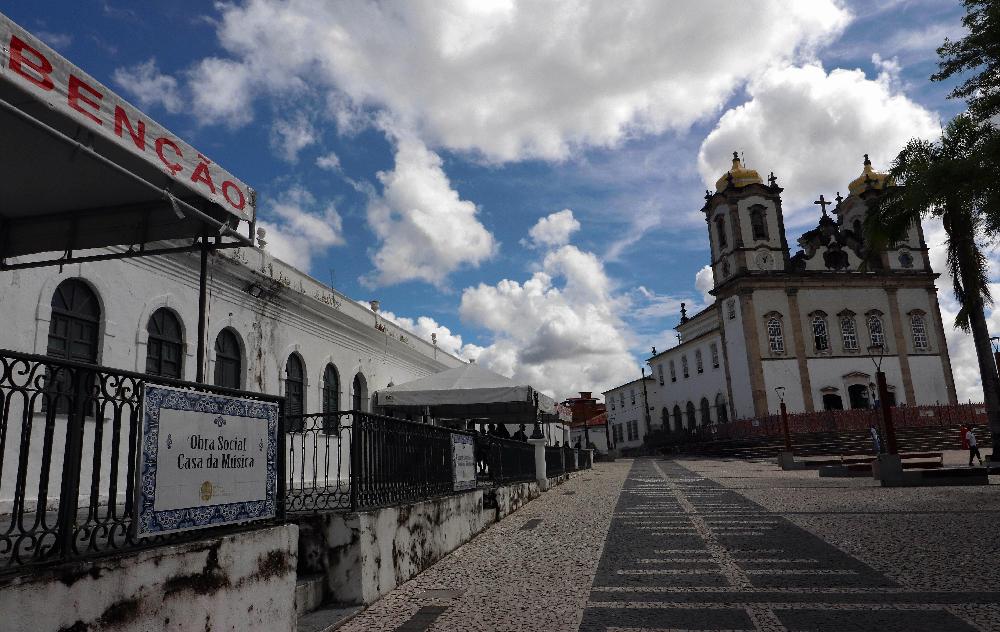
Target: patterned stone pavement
(698,545)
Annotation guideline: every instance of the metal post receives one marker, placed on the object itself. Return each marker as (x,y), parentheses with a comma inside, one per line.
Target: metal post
(202,309)
(784,427)
(645,404)
(355,460)
(70,489)
(888,428)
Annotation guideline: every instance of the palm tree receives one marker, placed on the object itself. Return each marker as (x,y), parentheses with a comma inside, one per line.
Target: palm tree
(956,180)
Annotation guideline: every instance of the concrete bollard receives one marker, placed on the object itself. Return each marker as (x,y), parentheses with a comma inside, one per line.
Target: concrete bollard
(540,474)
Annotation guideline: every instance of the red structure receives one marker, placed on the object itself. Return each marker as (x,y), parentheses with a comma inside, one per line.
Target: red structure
(584,408)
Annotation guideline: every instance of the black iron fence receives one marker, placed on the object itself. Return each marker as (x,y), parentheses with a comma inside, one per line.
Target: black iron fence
(555,461)
(69,441)
(395,461)
(501,461)
(318,462)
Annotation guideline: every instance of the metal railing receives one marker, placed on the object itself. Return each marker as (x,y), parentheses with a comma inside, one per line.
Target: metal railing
(69,443)
(318,464)
(555,461)
(395,461)
(504,460)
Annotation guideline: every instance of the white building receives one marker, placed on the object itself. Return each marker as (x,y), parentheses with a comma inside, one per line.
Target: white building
(808,326)
(271,328)
(626,414)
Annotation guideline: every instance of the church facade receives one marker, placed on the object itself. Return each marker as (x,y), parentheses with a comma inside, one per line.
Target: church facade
(808,328)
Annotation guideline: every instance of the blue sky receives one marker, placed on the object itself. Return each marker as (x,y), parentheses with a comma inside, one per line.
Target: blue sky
(408,152)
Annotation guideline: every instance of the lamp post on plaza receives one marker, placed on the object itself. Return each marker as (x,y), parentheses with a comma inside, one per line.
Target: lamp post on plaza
(780,390)
(877,353)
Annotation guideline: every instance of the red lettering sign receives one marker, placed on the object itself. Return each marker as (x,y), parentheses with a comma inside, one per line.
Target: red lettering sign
(226,187)
(74,96)
(41,66)
(174,167)
(138,134)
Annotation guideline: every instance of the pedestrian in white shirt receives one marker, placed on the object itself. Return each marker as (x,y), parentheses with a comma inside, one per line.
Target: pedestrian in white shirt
(973,448)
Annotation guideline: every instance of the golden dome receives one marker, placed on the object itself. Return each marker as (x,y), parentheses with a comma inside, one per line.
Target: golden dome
(741,177)
(869,177)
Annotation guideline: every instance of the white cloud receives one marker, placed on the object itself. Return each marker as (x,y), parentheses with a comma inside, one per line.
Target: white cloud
(562,338)
(509,80)
(703,282)
(553,230)
(221,91)
(424,228)
(329,162)
(145,83)
(290,136)
(298,228)
(811,128)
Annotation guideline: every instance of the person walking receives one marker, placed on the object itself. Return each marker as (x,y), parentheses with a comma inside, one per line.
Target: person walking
(877,443)
(973,448)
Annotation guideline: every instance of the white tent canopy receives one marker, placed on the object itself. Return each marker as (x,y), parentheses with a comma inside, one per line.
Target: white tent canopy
(466,391)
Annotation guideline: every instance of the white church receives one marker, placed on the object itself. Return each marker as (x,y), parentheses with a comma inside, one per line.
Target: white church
(808,327)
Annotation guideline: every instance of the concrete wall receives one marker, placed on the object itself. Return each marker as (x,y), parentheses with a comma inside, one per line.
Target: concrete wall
(243,581)
(367,554)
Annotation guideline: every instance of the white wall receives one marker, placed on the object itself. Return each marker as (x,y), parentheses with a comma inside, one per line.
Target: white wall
(708,384)
(736,354)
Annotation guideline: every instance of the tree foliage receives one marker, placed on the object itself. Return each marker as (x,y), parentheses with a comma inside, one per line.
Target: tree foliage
(979,53)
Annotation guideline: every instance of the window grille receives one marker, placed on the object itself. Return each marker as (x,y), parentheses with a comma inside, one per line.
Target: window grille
(775,338)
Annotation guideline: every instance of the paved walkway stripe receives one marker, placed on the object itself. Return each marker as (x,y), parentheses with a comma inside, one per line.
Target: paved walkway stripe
(422,619)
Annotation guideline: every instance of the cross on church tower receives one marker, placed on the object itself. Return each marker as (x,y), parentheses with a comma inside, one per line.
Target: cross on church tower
(822,203)
(771,179)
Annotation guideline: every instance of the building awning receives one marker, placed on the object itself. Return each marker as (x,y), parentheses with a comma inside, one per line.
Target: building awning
(81,168)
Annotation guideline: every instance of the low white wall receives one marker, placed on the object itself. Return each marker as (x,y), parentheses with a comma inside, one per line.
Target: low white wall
(244,581)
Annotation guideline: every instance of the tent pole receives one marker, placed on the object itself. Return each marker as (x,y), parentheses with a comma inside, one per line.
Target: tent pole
(202,308)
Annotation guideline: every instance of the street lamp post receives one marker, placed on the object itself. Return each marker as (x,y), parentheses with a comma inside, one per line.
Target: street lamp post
(883,396)
(780,390)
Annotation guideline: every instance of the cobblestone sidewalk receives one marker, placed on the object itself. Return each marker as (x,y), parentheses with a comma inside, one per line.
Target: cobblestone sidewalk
(531,571)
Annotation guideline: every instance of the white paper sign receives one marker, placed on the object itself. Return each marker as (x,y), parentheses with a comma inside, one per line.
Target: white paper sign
(463,461)
(206,460)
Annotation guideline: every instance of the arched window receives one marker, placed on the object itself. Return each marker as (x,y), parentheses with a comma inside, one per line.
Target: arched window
(691,419)
(698,362)
(720,230)
(228,359)
(673,372)
(758,223)
(659,372)
(858,395)
(875,331)
(721,412)
(821,338)
(678,419)
(684,366)
(331,389)
(775,338)
(74,334)
(919,328)
(715,355)
(706,412)
(165,347)
(832,401)
(848,331)
(359,394)
(295,386)
(665,419)
(75,325)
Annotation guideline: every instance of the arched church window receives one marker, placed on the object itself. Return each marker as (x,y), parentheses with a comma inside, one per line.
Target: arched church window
(775,337)
(821,338)
(919,327)
(359,395)
(848,331)
(673,372)
(721,412)
(691,416)
(165,347)
(684,366)
(875,331)
(659,372)
(714,348)
(699,364)
(758,223)
(678,419)
(706,412)
(720,230)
